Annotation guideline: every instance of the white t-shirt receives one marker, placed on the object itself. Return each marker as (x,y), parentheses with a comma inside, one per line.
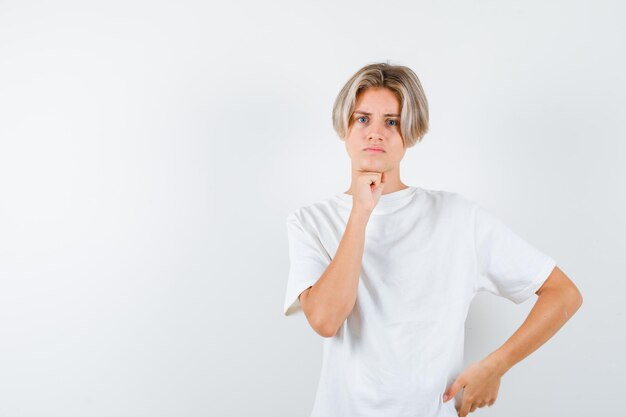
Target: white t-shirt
(426,254)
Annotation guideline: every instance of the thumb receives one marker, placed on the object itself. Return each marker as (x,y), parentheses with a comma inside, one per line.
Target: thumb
(452,390)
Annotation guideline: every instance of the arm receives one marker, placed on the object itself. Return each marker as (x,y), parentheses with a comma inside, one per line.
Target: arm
(558,300)
(330,300)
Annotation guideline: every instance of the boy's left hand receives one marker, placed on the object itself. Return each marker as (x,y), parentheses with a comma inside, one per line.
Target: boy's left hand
(480,382)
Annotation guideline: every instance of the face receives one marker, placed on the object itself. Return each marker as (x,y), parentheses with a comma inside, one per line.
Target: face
(375,122)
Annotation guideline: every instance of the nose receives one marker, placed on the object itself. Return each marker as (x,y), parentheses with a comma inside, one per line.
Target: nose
(374,132)
(374,135)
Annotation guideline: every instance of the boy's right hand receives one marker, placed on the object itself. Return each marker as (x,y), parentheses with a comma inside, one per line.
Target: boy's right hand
(369,187)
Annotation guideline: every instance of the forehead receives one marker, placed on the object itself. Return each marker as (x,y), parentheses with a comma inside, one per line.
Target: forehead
(378,99)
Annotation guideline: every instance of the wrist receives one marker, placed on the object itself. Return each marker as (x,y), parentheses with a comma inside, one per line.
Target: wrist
(498,362)
(360,213)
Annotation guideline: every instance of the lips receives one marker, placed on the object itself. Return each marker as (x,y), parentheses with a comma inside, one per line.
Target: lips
(374,149)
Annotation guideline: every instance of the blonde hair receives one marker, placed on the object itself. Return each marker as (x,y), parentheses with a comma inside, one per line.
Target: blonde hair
(403,82)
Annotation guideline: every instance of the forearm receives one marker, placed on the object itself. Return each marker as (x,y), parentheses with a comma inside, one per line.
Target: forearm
(551,311)
(333,296)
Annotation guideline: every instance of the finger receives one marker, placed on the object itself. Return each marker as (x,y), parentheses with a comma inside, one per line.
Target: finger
(452,390)
(465,408)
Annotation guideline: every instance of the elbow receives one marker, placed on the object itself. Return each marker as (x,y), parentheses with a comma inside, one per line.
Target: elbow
(579,299)
(574,301)
(326,333)
(324,328)
(330,332)
(576,298)
(567,297)
(320,321)
(563,290)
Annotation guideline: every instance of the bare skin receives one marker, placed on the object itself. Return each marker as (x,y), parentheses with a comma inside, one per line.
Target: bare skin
(330,300)
(558,300)
(376,122)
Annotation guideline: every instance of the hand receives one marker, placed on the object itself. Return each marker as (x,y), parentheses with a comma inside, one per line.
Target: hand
(480,383)
(369,187)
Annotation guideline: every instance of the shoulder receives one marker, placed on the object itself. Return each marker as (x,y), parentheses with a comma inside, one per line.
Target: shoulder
(446,200)
(313,213)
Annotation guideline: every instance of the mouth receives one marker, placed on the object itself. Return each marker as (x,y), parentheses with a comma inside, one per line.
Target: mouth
(374,150)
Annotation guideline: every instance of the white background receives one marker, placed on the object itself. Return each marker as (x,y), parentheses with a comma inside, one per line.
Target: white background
(151,151)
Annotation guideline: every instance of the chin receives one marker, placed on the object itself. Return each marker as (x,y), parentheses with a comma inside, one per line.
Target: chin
(369,165)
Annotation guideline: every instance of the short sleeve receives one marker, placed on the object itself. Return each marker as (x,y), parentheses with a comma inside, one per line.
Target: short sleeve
(508,266)
(307,262)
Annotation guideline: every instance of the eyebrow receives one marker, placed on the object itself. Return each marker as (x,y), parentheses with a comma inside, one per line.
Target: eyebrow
(369,114)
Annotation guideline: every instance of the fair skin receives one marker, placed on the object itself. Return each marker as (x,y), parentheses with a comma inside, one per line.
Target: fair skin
(558,300)
(331,299)
(375,122)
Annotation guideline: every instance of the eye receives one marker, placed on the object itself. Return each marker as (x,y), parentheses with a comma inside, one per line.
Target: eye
(362,117)
(393,122)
